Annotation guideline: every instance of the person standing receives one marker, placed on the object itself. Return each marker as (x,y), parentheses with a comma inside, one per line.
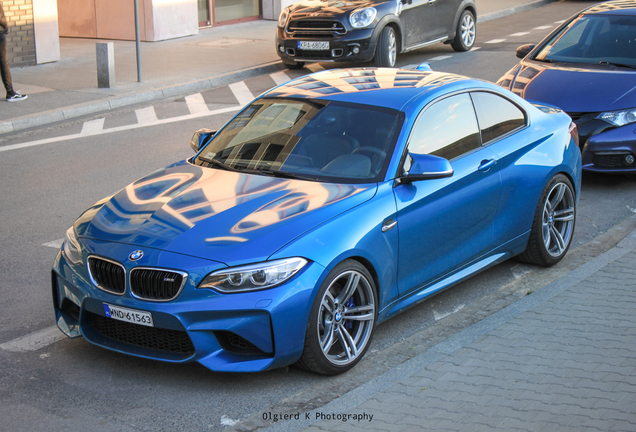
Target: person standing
(12,95)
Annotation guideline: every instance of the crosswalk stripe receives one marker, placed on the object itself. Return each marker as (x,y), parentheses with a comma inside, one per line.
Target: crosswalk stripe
(280,77)
(494,41)
(196,104)
(520,34)
(146,115)
(34,341)
(442,57)
(55,244)
(242,94)
(92,126)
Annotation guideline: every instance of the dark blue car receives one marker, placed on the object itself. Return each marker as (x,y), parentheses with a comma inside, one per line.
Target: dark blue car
(326,206)
(587,67)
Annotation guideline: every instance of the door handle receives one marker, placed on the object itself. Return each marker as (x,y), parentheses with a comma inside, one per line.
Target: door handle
(486,164)
(388,224)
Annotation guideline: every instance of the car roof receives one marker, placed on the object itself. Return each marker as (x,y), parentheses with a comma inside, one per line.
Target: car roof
(623,7)
(384,87)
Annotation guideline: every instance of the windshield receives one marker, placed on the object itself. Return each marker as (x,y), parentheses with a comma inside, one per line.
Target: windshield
(594,39)
(306,139)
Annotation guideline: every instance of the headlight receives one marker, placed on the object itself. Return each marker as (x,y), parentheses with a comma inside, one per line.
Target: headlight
(619,118)
(253,277)
(71,247)
(282,19)
(362,17)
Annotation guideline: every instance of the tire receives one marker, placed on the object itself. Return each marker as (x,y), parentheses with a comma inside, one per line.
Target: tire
(466,32)
(342,320)
(386,52)
(294,65)
(553,224)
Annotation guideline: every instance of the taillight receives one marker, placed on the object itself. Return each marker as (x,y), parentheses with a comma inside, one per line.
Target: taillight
(574,131)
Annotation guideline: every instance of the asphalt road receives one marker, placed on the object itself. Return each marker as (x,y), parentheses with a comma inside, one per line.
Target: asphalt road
(72,385)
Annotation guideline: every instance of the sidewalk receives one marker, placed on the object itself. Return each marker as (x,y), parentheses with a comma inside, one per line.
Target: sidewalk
(217,56)
(561,359)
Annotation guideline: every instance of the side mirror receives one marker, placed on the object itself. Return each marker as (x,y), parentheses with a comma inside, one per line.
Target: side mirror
(201,138)
(425,167)
(524,50)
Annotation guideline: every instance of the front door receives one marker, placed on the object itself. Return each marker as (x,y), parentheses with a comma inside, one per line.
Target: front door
(444,224)
(418,20)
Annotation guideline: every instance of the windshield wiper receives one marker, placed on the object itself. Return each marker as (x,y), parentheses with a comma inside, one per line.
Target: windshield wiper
(285,174)
(218,164)
(609,63)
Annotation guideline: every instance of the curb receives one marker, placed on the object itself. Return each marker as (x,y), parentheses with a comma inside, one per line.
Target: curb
(190,87)
(349,401)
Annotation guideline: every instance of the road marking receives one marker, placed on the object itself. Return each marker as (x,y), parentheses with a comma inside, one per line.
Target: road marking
(520,34)
(543,27)
(280,78)
(196,104)
(92,126)
(475,48)
(34,341)
(315,67)
(559,22)
(242,94)
(56,244)
(227,421)
(633,210)
(147,116)
(438,316)
(494,41)
(442,57)
(117,129)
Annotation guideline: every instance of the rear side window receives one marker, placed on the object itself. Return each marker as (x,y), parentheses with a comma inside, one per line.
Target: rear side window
(497,116)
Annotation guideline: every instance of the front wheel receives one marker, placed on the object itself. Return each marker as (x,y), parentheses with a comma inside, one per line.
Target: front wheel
(466,32)
(553,225)
(386,51)
(341,321)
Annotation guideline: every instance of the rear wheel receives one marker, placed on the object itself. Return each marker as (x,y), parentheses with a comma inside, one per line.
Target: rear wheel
(386,52)
(466,32)
(553,224)
(342,320)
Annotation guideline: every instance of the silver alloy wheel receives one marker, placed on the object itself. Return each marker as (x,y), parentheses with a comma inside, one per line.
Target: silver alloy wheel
(558,219)
(392,48)
(346,318)
(468,30)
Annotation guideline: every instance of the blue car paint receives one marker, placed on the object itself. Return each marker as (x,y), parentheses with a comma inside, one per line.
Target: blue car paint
(580,88)
(345,225)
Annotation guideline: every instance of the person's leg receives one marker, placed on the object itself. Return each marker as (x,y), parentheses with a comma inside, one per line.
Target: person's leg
(4,67)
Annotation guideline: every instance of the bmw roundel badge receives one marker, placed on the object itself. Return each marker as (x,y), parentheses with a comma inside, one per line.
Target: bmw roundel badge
(134,256)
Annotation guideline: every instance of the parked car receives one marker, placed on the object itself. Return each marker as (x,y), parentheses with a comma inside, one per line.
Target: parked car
(587,67)
(328,205)
(364,30)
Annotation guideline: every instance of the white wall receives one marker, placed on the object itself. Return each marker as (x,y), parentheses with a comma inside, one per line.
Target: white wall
(46,32)
(174,18)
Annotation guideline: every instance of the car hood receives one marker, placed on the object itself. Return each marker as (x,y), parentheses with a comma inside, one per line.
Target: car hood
(223,216)
(577,89)
(328,8)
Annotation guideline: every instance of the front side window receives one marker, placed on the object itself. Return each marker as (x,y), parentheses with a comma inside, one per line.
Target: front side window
(308,139)
(594,39)
(447,129)
(497,116)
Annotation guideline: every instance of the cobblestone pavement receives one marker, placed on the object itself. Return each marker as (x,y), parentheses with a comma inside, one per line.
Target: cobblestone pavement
(561,359)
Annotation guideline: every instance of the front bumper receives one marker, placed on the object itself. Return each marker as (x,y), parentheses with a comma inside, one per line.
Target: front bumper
(354,46)
(612,151)
(241,332)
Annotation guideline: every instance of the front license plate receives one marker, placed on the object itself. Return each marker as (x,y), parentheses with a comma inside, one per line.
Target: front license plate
(128,315)
(313,46)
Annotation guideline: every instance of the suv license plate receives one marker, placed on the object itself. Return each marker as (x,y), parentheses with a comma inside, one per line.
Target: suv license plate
(128,315)
(313,46)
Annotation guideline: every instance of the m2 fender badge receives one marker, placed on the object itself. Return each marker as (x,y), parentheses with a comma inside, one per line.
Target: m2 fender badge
(136,255)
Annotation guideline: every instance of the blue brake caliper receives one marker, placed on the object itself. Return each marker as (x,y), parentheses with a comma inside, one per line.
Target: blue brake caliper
(349,304)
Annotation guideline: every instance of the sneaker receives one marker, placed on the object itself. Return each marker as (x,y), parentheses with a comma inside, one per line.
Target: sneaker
(16,97)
